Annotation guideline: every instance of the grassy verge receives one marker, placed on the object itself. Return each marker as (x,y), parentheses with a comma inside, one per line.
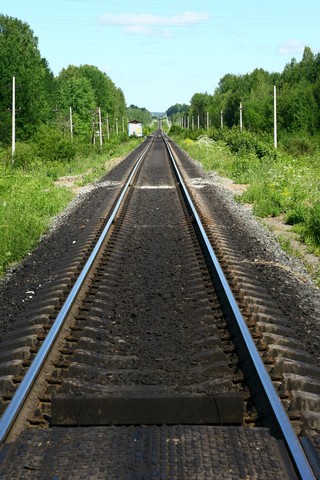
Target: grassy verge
(29,197)
(278,182)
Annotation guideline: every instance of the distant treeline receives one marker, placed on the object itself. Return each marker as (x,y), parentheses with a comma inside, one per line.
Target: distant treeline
(298,99)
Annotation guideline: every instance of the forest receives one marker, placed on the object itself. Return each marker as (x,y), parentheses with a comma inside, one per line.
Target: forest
(298,100)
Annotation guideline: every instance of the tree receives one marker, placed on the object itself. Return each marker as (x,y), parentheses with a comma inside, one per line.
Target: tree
(140,114)
(20,58)
(297,108)
(76,92)
(101,91)
(177,108)
(200,103)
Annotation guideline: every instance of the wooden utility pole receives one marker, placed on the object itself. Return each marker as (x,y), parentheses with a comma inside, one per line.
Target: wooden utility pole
(275,116)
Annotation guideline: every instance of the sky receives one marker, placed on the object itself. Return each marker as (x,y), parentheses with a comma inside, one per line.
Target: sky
(163,52)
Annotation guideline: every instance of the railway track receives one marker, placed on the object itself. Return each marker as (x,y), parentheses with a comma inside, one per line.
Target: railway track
(142,344)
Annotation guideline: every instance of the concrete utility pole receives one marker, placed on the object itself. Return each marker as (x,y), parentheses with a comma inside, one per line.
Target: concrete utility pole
(275,116)
(221,119)
(13,116)
(100,126)
(208,121)
(241,116)
(117,127)
(198,122)
(71,125)
(108,131)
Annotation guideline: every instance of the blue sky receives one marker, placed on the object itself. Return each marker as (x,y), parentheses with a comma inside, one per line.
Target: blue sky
(161,53)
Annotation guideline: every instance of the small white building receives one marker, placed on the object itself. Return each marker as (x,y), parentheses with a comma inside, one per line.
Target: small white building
(135,128)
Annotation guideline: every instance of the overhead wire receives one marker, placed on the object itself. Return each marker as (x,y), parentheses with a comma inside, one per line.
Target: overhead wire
(219,16)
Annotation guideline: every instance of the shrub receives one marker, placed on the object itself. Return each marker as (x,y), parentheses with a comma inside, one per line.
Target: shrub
(296,215)
(245,142)
(24,155)
(176,130)
(299,145)
(311,231)
(52,145)
(265,198)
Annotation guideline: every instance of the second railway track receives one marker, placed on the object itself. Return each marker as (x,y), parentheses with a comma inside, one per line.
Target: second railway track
(147,351)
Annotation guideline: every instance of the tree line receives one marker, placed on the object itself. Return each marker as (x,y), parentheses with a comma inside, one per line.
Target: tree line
(298,99)
(45,99)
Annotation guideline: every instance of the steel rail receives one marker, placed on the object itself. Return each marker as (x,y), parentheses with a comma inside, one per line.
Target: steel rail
(13,409)
(294,446)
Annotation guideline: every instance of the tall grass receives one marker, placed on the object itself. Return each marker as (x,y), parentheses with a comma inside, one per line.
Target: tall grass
(30,198)
(278,183)
(27,204)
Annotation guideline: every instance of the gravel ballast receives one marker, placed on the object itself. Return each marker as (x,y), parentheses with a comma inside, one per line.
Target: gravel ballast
(283,276)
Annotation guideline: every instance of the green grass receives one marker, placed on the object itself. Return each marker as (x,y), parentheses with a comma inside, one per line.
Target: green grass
(278,182)
(28,202)
(29,197)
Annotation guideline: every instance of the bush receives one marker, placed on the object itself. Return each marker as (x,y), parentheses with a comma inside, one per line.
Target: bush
(265,198)
(299,145)
(296,215)
(24,155)
(311,231)
(176,130)
(52,145)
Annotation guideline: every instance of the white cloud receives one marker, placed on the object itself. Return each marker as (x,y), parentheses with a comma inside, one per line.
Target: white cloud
(150,24)
(291,47)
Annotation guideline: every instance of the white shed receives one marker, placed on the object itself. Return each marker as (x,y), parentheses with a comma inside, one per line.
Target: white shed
(135,128)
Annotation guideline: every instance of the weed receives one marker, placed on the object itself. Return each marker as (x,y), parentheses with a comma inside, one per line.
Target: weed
(311,230)
(28,195)
(279,183)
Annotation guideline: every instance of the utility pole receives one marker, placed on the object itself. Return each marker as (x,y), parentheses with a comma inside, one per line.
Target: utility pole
(108,131)
(13,116)
(198,122)
(208,121)
(100,126)
(241,116)
(221,119)
(117,127)
(71,125)
(275,116)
